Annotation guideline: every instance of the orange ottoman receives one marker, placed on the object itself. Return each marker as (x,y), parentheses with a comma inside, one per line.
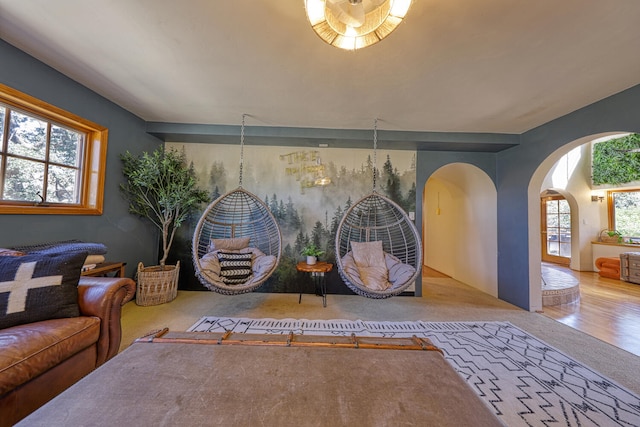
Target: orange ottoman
(608,267)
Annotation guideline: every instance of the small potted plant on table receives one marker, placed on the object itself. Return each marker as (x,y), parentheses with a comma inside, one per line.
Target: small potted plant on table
(312,252)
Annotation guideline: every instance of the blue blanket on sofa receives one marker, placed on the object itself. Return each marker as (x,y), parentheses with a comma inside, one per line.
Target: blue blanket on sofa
(64,246)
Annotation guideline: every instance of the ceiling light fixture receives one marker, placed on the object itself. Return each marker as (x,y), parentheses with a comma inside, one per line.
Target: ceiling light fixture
(354,24)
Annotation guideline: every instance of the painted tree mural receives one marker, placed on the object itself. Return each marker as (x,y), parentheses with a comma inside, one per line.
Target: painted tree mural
(307,191)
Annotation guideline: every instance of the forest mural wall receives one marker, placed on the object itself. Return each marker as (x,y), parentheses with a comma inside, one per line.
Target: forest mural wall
(307,190)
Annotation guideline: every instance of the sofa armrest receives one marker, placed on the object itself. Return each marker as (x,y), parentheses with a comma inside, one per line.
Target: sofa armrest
(103,297)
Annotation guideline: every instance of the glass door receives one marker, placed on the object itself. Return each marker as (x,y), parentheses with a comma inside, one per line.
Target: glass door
(556,230)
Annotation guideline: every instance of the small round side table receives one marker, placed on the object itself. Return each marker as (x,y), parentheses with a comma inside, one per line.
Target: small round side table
(317,272)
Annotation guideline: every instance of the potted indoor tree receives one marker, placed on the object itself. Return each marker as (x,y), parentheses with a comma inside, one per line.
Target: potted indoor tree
(312,252)
(162,188)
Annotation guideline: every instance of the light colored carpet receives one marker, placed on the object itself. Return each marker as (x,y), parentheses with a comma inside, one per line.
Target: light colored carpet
(444,300)
(523,380)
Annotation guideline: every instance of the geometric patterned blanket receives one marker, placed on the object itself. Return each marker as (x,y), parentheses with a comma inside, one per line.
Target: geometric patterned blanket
(525,381)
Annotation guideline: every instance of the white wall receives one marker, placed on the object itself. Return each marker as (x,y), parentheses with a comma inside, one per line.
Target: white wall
(571,177)
(440,231)
(588,218)
(460,232)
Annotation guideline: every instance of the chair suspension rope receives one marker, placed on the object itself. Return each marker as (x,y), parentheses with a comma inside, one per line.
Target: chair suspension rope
(237,214)
(242,147)
(375,148)
(378,218)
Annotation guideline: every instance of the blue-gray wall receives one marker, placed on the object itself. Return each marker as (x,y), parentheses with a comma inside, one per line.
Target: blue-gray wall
(127,238)
(516,166)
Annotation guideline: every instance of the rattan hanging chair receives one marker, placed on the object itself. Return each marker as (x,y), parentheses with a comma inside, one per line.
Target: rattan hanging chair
(237,243)
(389,249)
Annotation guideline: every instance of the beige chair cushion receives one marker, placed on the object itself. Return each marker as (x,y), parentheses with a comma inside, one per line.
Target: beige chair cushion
(234,244)
(398,273)
(375,277)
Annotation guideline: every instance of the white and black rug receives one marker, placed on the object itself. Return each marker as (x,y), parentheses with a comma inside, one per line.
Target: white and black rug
(525,381)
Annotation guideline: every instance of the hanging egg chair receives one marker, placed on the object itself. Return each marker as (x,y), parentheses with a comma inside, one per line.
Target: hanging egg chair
(378,248)
(237,242)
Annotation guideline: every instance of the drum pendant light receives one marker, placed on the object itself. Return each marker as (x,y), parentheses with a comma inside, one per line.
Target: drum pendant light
(354,24)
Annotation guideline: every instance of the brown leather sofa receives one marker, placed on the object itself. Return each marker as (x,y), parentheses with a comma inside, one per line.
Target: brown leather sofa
(40,360)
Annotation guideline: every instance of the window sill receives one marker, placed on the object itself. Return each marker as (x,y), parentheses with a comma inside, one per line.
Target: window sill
(50,210)
(631,245)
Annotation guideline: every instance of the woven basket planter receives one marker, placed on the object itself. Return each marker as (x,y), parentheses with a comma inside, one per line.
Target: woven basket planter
(157,285)
(605,238)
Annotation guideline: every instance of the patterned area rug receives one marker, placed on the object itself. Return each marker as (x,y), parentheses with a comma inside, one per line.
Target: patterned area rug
(525,381)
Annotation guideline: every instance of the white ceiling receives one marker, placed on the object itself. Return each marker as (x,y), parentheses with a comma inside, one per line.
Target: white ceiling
(500,66)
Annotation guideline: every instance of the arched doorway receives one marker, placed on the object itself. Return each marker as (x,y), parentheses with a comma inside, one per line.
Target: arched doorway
(584,227)
(459,225)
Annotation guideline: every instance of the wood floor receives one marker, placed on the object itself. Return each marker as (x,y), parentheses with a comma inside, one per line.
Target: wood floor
(608,309)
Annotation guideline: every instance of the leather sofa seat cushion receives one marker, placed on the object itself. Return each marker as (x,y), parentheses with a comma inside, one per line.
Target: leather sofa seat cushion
(27,351)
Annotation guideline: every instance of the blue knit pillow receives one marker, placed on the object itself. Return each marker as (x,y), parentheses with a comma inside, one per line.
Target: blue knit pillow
(235,268)
(39,287)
